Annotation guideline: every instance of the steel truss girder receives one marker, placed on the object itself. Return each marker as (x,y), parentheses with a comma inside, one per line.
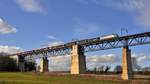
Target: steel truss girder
(118,43)
(93,44)
(50,53)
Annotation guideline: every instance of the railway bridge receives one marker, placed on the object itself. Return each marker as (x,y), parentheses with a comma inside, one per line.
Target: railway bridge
(77,49)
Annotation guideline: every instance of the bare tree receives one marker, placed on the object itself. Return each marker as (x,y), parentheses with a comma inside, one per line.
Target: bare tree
(107,68)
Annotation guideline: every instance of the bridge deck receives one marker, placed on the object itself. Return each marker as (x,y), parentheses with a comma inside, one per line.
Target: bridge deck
(93,44)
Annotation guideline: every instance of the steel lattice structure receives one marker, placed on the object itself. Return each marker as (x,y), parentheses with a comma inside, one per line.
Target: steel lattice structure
(89,45)
(131,40)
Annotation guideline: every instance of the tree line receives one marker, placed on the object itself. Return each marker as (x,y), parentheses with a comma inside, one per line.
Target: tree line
(10,64)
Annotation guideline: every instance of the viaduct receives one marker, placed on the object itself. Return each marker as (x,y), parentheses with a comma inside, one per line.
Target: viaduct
(77,49)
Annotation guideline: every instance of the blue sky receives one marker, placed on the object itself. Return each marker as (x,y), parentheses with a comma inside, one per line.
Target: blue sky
(31,24)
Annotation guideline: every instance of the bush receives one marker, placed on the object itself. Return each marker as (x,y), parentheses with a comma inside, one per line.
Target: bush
(7,64)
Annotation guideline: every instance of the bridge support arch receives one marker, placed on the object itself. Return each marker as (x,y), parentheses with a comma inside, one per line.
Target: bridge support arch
(78,61)
(44,65)
(127,73)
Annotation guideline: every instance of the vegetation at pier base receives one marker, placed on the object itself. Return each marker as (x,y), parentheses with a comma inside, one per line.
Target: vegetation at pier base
(36,78)
(10,64)
(7,64)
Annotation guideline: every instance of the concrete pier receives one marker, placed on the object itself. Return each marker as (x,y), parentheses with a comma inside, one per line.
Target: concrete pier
(44,65)
(126,64)
(21,63)
(78,61)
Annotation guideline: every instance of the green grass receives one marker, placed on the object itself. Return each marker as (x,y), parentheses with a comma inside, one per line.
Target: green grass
(31,78)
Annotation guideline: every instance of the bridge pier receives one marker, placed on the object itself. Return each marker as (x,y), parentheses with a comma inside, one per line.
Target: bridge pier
(78,61)
(21,63)
(44,65)
(126,64)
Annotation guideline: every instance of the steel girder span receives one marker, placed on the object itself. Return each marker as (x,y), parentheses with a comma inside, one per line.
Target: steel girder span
(48,53)
(131,40)
(89,45)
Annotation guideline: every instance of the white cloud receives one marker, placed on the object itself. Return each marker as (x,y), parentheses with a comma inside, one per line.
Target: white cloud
(30,5)
(141,57)
(139,9)
(63,63)
(144,19)
(84,29)
(9,49)
(103,58)
(52,37)
(5,28)
(55,43)
(60,63)
(99,60)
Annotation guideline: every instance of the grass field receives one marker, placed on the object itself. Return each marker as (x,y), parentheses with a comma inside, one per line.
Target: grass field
(32,78)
